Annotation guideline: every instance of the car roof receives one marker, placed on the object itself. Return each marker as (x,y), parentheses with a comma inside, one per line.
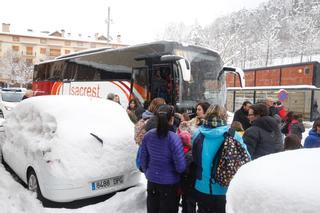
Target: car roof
(13,90)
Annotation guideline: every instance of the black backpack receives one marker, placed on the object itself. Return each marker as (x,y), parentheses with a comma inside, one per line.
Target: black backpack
(229,158)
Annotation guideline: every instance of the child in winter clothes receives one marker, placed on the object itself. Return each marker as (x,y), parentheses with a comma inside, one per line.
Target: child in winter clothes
(184,132)
(187,179)
(296,126)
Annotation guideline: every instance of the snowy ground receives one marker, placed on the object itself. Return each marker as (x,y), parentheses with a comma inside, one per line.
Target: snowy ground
(14,198)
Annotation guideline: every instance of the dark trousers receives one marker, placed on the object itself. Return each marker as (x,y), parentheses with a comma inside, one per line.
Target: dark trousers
(188,204)
(162,198)
(211,203)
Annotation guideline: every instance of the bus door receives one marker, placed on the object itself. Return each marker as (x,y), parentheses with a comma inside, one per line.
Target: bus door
(162,82)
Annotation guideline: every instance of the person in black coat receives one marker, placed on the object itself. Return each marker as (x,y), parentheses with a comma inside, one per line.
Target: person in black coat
(264,136)
(241,115)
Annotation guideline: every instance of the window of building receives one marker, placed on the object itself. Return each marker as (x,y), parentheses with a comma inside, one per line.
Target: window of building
(15,48)
(80,43)
(55,52)
(43,41)
(43,50)
(66,51)
(16,38)
(93,45)
(29,50)
(67,43)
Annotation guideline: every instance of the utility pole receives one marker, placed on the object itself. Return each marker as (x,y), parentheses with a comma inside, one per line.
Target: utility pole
(108,21)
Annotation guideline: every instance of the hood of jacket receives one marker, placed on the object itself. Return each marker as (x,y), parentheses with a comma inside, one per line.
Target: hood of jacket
(312,132)
(267,123)
(211,133)
(147,114)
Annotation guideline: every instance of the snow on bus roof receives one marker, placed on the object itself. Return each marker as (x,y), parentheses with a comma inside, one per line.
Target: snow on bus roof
(100,50)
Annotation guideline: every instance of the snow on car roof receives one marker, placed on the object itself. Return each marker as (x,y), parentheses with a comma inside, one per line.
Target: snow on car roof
(283,182)
(61,128)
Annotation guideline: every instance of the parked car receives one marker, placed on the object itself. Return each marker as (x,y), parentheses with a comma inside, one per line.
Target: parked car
(71,147)
(9,97)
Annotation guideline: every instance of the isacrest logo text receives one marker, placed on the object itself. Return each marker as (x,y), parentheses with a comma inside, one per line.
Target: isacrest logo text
(91,91)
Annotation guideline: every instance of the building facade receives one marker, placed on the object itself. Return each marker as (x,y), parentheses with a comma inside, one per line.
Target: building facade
(31,48)
(297,86)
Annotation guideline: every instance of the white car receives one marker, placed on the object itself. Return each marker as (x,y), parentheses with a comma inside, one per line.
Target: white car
(9,97)
(67,148)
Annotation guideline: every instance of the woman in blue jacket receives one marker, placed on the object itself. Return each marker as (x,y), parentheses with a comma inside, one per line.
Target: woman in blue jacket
(162,161)
(313,140)
(206,143)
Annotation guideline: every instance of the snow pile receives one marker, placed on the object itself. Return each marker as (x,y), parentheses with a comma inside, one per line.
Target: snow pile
(283,182)
(60,127)
(15,199)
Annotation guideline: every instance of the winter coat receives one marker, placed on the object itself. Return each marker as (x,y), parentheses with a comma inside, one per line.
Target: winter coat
(263,137)
(242,116)
(162,159)
(296,128)
(313,140)
(213,139)
(140,126)
(282,112)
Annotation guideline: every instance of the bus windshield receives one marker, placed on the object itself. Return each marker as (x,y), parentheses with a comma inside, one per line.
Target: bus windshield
(204,84)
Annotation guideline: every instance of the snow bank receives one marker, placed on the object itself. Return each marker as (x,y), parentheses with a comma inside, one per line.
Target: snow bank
(283,182)
(60,127)
(16,199)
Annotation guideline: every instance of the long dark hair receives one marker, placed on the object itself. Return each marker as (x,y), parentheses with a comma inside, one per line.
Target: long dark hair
(164,114)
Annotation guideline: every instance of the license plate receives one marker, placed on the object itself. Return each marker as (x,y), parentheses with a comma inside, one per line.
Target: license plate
(106,183)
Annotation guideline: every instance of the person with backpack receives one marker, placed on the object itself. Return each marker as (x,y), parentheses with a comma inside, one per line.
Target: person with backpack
(162,161)
(207,141)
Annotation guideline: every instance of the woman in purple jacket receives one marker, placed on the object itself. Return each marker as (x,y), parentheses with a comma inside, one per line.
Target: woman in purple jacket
(162,161)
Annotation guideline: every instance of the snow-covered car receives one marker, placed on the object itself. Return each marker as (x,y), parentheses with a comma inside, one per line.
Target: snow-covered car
(9,97)
(284,182)
(67,148)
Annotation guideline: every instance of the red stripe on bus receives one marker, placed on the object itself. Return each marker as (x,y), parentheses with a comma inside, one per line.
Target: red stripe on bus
(121,89)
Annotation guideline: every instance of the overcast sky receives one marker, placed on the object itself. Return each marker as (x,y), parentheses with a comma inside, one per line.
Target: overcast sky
(136,20)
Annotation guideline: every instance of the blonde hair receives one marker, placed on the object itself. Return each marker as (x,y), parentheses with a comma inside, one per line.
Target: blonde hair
(216,111)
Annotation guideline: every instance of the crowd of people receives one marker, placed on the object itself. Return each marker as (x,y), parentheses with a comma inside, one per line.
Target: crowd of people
(176,153)
(168,144)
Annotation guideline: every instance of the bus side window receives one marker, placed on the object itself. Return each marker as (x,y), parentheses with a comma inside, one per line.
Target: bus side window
(97,75)
(57,71)
(69,74)
(85,73)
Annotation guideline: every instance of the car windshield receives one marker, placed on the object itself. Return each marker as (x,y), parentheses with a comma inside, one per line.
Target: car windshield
(12,96)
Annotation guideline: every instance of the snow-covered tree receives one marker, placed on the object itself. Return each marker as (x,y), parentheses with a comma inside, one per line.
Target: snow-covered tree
(14,65)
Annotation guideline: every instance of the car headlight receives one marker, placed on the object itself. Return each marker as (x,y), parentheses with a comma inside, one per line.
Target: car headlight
(7,108)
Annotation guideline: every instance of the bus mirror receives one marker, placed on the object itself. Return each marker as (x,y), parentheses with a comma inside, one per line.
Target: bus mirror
(235,70)
(185,68)
(170,58)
